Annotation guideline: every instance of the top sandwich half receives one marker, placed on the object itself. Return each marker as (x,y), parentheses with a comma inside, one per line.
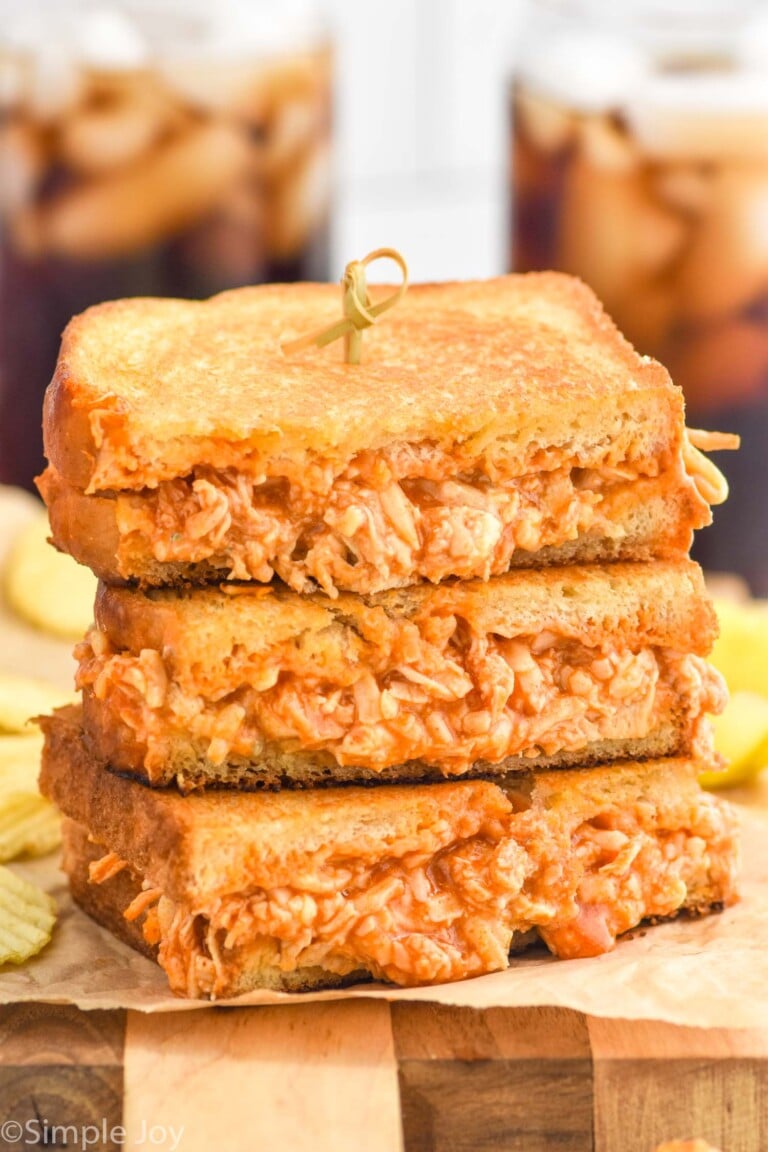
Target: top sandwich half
(491,425)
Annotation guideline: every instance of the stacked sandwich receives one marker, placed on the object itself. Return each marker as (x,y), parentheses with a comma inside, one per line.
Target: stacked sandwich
(396,667)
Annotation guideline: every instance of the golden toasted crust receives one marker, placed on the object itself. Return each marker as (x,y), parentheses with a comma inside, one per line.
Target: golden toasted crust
(68,773)
(147,389)
(202,846)
(82,526)
(105,903)
(662,604)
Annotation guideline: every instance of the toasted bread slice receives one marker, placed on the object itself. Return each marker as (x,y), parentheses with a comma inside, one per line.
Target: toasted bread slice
(253,687)
(417,884)
(149,389)
(491,424)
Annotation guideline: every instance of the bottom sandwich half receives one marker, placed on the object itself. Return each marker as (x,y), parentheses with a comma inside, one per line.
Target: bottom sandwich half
(414,884)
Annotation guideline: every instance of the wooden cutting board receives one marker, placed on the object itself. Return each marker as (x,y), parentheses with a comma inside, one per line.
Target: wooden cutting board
(362,1076)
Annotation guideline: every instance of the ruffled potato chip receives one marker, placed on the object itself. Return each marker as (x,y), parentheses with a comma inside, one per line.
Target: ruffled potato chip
(47,588)
(741,736)
(21,754)
(741,651)
(29,826)
(27,917)
(741,655)
(24,697)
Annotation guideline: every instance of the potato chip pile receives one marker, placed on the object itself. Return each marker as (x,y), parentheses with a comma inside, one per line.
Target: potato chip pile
(29,824)
(741,654)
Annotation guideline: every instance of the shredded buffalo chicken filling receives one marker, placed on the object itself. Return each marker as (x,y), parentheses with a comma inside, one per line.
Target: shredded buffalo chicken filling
(412,511)
(434,691)
(422,917)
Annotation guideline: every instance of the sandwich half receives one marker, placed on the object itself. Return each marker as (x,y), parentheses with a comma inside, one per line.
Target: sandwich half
(491,425)
(415,885)
(260,688)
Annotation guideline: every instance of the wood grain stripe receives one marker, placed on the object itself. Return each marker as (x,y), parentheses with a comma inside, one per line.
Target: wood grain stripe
(652,1039)
(313,1078)
(657,1082)
(61,1076)
(504,1080)
(424,1031)
(59,1034)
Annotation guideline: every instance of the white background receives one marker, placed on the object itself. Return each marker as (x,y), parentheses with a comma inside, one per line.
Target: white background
(422,132)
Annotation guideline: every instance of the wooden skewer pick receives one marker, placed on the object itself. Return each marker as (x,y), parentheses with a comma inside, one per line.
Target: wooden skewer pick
(359,312)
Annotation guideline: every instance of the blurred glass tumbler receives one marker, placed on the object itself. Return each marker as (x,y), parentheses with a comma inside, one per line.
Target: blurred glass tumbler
(640,163)
(150,147)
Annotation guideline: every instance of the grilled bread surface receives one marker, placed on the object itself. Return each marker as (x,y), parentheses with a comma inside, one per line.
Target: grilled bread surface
(149,389)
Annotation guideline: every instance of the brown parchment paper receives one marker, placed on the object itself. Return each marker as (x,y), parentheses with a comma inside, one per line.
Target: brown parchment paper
(711,972)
